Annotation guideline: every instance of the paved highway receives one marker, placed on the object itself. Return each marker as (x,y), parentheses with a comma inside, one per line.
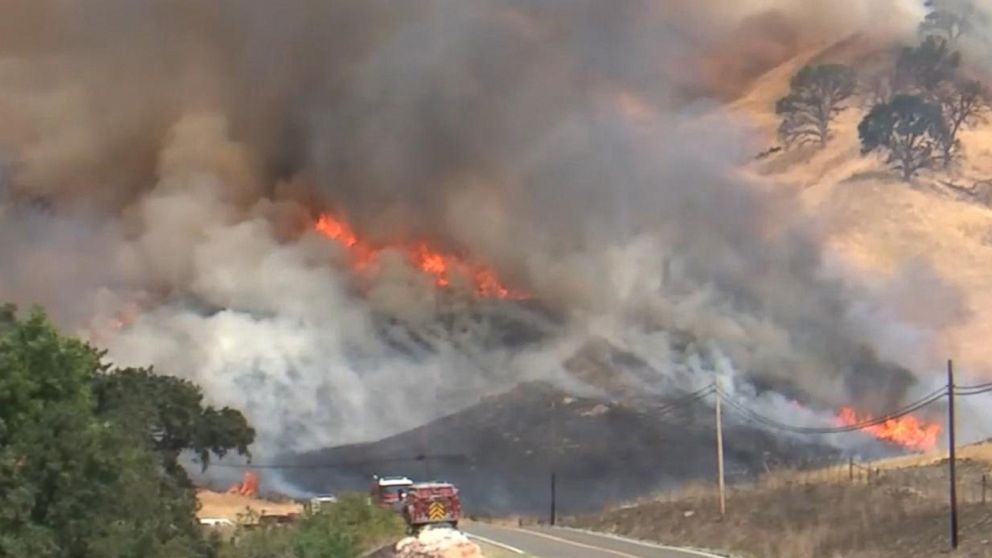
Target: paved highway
(549,542)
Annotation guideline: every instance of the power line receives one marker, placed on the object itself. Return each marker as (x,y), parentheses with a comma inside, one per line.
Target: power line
(684,401)
(972,390)
(758,417)
(336,464)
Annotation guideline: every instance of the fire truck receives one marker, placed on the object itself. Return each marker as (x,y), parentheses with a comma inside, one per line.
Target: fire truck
(431,504)
(388,491)
(422,505)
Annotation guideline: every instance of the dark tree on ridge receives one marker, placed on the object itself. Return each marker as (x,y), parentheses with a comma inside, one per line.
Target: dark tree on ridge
(817,95)
(909,129)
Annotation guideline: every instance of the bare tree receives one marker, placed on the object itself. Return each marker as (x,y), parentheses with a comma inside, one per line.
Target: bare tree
(963,103)
(817,95)
(910,129)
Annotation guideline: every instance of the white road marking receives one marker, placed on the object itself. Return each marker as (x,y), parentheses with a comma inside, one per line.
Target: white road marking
(643,543)
(578,544)
(496,543)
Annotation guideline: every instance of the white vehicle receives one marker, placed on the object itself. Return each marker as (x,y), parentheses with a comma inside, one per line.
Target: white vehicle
(216,522)
(317,502)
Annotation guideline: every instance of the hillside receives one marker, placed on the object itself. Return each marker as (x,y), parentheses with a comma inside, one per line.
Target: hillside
(899,510)
(501,451)
(907,240)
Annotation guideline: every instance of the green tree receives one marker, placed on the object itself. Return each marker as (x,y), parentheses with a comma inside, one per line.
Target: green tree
(909,129)
(170,412)
(75,482)
(817,95)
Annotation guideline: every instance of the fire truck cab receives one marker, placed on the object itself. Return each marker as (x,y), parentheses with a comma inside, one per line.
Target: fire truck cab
(388,491)
(431,503)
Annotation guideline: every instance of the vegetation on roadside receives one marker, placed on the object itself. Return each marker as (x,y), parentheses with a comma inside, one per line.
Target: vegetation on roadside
(893,513)
(89,462)
(347,528)
(88,452)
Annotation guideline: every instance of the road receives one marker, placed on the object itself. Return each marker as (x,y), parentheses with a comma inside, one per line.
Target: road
(549,542)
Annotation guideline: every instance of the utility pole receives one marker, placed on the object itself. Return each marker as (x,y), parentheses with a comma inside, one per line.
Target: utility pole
(553,461)
(951,454)
(427,448)
(719,450)
(554,499)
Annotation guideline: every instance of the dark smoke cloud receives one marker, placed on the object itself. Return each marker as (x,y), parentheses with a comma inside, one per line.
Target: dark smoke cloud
(165,158)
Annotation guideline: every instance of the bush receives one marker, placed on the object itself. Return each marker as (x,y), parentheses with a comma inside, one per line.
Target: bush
(345,529)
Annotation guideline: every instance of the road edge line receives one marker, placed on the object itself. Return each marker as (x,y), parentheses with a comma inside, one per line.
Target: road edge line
(534,533)
(504,546)
(649,544)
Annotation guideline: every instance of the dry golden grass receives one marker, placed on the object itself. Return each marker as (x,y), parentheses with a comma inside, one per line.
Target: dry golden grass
(819,520)
(235,506)
(893,508)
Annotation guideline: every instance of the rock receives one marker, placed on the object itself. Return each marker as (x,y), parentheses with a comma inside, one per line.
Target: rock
(688,513)
(438,543)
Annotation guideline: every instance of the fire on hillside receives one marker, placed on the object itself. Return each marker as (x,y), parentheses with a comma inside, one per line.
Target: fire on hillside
(908,431)
(442,267)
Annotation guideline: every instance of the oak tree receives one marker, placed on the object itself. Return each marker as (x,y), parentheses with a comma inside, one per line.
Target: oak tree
(817,95)
(909,129)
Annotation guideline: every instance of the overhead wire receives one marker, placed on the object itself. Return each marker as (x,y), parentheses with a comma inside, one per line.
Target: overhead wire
(340,463)
(683,401)
(973,389)
(860,425)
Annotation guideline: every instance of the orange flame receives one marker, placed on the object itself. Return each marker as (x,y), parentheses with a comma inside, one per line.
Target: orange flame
(907,431)
(438,265)
(247,487)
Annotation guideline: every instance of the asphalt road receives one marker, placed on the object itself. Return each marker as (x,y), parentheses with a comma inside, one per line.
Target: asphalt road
(549,542)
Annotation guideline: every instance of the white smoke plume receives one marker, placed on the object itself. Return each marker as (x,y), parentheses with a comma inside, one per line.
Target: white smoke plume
(164,162)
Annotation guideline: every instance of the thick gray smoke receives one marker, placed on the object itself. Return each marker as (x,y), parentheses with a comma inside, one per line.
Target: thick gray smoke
(164,162)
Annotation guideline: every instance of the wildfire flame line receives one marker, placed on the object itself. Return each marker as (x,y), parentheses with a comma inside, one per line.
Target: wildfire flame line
(907,431)
(440,266)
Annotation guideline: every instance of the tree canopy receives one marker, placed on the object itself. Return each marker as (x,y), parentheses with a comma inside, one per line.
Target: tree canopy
(815,98)
(924,69)
(964,103)
(84,466)
(910,129)
(170,412)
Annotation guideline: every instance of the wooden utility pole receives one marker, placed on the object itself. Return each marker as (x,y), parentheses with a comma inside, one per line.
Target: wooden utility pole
(719,450)
(553,461)
(951,455)
(554,499)
(426,451)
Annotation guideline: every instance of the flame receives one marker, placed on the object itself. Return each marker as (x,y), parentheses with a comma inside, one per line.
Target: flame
(441,267)
(907,431)
(247,487)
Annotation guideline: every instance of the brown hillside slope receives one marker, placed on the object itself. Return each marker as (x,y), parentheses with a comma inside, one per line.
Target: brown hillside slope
(886,229)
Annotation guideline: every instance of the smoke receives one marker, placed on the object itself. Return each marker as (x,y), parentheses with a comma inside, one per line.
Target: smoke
(166,160)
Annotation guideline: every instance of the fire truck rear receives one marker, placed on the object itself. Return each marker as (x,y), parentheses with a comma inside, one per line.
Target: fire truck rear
(430,504)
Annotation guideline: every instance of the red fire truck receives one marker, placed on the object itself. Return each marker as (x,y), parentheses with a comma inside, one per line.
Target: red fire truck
(388,491)
(431,503)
